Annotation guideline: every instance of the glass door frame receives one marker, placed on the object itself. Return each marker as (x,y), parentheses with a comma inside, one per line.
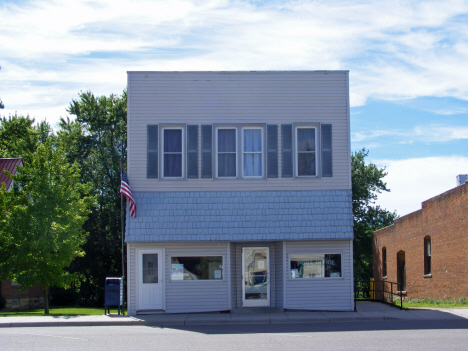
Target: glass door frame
(260,302)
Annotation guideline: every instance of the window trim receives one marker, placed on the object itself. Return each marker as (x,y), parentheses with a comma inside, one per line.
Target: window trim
(262,152)
(162,128)
(289,278)
(384,262)
(427,256)
(318,150)
(210,281)
(239,127)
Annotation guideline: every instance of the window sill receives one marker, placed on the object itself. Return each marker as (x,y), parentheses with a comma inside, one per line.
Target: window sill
(384,278)
(402,292)
(315,278)
(427,276)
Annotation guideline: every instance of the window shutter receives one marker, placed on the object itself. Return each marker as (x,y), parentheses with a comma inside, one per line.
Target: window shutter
(192,151)
(152,152)
(286,135)
(327,165)
(272,151)
(207,149)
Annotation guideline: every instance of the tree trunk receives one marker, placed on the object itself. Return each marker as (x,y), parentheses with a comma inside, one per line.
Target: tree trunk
(46,300)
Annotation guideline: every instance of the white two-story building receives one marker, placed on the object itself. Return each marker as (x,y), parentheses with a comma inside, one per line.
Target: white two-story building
(242,182)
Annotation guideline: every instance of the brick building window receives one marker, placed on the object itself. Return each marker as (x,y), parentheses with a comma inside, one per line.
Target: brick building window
(384,262)
(401,270)
(427,255)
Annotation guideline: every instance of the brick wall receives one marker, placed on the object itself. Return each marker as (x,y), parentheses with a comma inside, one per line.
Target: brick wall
(445,219)
(15,298)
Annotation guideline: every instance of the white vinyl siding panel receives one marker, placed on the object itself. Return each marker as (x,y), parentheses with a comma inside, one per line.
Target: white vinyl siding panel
(326,294)
(238,97)
(279,274)
(131,280)
(197,296)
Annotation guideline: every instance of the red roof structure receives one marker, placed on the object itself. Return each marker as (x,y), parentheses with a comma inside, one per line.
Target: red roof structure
(10,165)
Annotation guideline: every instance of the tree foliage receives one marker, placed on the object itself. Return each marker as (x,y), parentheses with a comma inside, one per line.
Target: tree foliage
(96,139)
(41,229)
(19,137)
(367,184)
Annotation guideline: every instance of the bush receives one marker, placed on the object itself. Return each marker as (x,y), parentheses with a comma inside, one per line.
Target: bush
(2,302)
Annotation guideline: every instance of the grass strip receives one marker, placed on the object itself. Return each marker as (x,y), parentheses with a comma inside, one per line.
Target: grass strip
(58,311)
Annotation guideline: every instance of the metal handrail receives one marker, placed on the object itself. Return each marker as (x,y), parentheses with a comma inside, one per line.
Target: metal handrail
(370,291)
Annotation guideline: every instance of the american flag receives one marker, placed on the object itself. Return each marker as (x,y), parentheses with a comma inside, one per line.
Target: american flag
(127,192)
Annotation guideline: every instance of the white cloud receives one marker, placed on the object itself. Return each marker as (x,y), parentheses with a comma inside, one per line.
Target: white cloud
(394,50)
(413,181)
(427,133)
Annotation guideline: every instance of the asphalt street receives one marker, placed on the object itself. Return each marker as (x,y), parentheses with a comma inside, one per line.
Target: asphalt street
(363,335)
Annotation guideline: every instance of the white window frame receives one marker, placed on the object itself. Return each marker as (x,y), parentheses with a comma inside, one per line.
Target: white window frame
(235,152)
(183,151)
(296,151)
(262,153)
(182,281)
(314,253)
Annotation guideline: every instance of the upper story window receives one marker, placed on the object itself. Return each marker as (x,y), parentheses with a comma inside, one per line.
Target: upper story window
(250,162)
(252,152)
(226,153)
(306,147)
(427,255)
(173,155)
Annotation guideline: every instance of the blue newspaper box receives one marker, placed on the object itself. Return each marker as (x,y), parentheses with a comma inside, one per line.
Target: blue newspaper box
(113,294)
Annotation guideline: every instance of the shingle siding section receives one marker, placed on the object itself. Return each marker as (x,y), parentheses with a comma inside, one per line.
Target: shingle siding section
(240,216)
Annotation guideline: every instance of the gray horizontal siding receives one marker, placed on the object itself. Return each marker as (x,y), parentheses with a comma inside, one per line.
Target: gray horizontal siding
(131,280)
(326,294)
(197,296)
(240,216)
(240,97)
(279,274)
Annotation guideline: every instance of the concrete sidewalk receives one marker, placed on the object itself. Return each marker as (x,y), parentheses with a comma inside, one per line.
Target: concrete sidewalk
(366,311)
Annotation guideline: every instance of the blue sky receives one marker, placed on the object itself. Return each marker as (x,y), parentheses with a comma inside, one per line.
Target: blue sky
(407,62)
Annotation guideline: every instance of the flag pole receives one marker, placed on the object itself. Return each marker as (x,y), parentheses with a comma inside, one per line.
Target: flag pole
(122,213)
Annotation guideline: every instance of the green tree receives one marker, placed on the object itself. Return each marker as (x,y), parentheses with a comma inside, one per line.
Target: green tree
(41,228)
(19,137)
(96,139)
(368,217)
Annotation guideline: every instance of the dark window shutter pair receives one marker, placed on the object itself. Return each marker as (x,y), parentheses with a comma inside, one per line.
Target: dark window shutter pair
(327,165)
(207,151)
(272,151)
(152,151)
(287,150)
(192,151)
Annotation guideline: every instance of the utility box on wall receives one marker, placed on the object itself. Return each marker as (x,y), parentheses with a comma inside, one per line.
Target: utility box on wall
(113,294)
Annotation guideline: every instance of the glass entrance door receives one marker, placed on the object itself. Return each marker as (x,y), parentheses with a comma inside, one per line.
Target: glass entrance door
(255,276)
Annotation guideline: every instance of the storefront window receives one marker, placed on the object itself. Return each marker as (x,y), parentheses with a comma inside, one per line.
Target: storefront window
(316,266)
(197,268)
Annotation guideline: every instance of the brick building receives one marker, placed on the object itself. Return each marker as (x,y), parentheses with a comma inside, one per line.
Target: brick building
(15,298)
(427,250)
